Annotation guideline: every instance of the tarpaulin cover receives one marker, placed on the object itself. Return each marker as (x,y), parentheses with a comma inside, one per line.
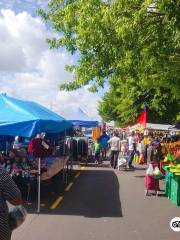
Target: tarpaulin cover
(26,118)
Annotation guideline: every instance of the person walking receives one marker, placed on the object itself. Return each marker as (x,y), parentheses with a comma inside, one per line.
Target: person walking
(131,149)
(141,149)
(97,151)
(104,144)
(8,192)
(153,160)
(115,147)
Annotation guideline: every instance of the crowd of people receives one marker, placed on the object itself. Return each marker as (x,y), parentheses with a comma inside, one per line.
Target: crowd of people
(148,148)
(123,148)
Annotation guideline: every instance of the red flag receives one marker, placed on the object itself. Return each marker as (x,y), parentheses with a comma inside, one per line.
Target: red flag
(142,119)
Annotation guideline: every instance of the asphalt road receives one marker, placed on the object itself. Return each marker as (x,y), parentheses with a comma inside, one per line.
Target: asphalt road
(100,203)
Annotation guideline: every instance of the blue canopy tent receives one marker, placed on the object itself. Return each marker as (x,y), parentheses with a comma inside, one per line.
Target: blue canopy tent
(26,118)
(81,119)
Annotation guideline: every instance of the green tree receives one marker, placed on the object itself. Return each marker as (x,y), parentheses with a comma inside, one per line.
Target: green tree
(124,104)
(132,44)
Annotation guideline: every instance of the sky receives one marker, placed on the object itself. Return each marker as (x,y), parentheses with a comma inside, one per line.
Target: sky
(29,69)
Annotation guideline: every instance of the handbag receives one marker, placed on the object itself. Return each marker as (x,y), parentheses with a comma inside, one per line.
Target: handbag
(16,217)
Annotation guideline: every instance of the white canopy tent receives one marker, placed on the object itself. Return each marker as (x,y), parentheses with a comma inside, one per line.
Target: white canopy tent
(153,126)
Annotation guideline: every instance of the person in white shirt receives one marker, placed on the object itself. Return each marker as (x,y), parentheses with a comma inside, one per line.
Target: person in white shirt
(131,149)
(17,144)
(115,147)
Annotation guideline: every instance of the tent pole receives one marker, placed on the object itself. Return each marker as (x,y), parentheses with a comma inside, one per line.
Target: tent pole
(6,147)
(39,185)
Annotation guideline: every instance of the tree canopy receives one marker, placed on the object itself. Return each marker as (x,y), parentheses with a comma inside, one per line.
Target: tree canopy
(134,45)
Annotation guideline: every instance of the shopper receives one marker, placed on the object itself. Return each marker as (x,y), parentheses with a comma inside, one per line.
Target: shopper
(131,149)
(104,144)
(8,192)
(141,149)
(154,152)
(115,147)
(97,151)
(153,160)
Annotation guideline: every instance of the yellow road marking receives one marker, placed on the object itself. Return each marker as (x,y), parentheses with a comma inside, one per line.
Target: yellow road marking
(77,175)
(59,199)
(81,168)
(57,202)
(69,186)
(43,205)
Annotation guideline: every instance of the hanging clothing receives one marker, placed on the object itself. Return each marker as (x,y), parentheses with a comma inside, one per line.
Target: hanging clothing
(39,149)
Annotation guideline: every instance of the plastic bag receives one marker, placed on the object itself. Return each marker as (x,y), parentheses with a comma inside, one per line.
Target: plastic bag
(150,170)
(17,217)
(121,160)
(157,173)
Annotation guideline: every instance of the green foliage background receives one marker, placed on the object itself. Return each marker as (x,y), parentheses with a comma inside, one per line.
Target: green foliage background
(134,45)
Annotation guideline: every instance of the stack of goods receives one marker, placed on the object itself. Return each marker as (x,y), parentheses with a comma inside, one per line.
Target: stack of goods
(96,133)
(172,147)
(172,177)
(22,169)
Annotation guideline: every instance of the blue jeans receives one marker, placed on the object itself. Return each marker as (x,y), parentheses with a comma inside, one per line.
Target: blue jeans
(130,157)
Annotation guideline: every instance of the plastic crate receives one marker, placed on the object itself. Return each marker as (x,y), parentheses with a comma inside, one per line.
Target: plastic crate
(175,190)
(167,180)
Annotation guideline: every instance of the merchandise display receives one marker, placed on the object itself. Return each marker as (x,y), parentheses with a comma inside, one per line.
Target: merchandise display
(171,166)
(22,163)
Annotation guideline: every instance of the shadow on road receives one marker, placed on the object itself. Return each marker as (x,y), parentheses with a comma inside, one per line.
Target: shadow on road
(94,194)
(141,168)
(141,176)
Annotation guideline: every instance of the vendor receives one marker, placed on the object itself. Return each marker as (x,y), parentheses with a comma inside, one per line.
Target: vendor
(17,144)
(40,147)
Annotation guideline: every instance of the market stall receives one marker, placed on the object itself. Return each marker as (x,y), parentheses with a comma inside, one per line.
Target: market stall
(171,166)
(152,127)
(84,126)
(81,119)
(58,164)
(27,119)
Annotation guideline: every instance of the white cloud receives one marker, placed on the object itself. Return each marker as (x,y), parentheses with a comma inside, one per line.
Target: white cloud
(24,5)
(29,70)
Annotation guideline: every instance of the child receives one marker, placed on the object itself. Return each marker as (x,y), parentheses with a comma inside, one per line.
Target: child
(97,150)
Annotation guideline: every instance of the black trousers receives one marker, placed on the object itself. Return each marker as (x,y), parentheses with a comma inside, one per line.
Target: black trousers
(114,158)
